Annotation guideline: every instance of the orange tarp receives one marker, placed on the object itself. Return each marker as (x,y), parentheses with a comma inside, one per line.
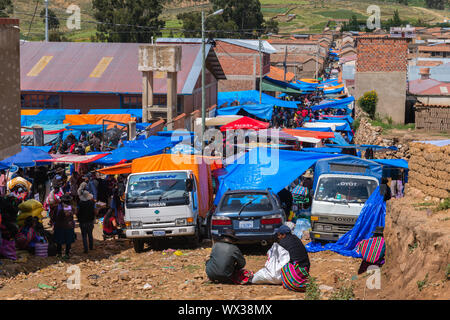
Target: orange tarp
(309,134)
(310,80)
(80,119)
(117,169)
(29,112)
(278,74)
(335,87)
(169,162)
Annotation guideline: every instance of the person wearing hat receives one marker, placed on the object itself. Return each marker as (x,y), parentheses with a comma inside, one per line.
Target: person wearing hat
(86,218)
(372,250)
(226,262)
(64,225)
(295,273)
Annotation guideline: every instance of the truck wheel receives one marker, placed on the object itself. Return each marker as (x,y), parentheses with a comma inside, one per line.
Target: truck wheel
(196,238)
(138,245)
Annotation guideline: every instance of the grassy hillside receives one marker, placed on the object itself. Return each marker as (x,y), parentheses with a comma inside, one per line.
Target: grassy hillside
(310,15)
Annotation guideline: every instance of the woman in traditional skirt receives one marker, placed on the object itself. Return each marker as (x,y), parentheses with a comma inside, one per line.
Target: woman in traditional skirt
(64,225)
(295,273)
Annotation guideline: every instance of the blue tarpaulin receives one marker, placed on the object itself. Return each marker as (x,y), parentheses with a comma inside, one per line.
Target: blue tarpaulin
(133,112)
(25,158)
(49,127)
(183,149)
(323,150)
(397,163)
(263,168)
(339,139)
(263,111)
(28,121)
(42,148)
(346,127)
(137,149)
(372,215)
(252,96)
(337,104)
(58,112)
(326,166)
(347,118)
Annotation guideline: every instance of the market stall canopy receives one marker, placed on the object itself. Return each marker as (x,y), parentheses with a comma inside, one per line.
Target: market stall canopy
(396,163)
(58,112)
(245,123)
(263,168)
(322,125)
(252,96)
(80,119)
(263,111)
(124,168)
(273,85)
(310,134)
(29,112)
(336,104)
(133,112)
(217,121)
(28,157)
(323,150)
(273,134)
(73,158)
(28,121)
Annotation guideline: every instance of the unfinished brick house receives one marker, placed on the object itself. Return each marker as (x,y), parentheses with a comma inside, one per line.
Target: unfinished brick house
(382,66)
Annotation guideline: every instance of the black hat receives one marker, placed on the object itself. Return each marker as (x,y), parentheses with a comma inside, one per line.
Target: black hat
(229,233)
(378,231)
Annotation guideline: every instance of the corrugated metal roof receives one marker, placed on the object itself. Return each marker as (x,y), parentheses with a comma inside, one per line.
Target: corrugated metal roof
(100,68)
(439,73)
(249,44)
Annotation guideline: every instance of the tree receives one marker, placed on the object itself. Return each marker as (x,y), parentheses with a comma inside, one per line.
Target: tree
(6,8)
(368,102)
(240,19)
(404,2)
(128,21)
(396,21)
(53,21)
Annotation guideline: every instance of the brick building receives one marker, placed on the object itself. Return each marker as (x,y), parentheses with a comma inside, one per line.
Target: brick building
(382,66)
(239,60)
(303,56)
(86,76)
(9,87)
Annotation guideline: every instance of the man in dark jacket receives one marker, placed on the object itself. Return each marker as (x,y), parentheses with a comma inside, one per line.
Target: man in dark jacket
(226,261)
(86,218)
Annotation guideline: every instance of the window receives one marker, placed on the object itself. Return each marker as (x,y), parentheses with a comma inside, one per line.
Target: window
(180,105)
(132,102)
(343,189)
(253,202)
(40,101)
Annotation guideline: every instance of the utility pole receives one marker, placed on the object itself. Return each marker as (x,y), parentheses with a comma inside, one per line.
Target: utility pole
(46,20)
(203,82)
(260,71)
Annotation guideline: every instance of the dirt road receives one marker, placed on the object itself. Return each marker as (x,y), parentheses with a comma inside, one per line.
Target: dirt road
(114,271)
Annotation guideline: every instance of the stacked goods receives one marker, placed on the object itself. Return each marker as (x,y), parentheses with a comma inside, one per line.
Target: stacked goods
(435,118)
(430,170)
(29,208)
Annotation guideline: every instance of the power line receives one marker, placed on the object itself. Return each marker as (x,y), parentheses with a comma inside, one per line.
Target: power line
(34,14)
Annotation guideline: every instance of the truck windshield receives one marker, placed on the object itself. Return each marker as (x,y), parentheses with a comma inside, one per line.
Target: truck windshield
(157,188)
(234,202)
(342,189)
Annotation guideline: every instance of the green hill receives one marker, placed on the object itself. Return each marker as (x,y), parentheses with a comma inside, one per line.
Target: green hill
(294,16)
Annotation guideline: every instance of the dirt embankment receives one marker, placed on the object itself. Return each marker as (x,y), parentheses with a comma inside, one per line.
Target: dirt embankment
(417,255)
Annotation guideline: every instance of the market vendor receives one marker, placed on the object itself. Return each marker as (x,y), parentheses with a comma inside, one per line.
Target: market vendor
(226,262)
(295,273)
(27,237)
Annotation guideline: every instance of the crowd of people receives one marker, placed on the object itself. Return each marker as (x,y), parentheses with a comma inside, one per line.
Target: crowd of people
(82,198)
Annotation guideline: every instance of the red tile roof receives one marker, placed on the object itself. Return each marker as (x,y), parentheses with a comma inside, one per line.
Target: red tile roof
(278,74)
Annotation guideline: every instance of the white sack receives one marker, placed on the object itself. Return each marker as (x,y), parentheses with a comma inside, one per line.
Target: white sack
(277,257)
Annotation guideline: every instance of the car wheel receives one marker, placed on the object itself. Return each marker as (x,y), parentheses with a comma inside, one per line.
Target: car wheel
(138,245)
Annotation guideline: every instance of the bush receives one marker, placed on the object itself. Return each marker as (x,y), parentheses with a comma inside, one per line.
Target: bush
(368,102)
(343,293)
(312,290)
(356,124)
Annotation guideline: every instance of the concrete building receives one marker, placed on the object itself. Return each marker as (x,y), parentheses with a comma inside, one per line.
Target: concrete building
(382,66)
(9,87)
(105,75)
(239,59)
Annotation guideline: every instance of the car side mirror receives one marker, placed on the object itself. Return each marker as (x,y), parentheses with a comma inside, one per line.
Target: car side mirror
(189,185)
